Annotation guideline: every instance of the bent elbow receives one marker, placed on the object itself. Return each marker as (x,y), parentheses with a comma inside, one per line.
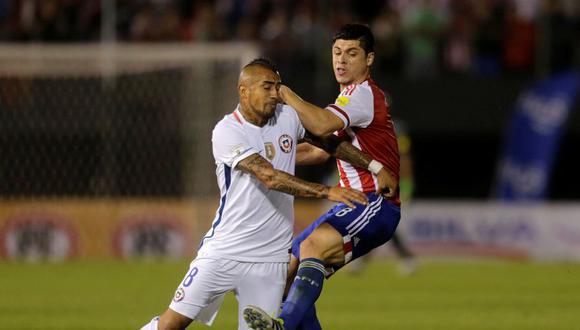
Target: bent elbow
(322,156)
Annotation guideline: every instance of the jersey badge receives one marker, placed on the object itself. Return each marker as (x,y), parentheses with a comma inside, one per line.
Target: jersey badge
(286,143)
(270,150)
(179,295)
(238,150)
(342,101)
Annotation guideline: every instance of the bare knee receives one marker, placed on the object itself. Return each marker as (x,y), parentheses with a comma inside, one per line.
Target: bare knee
(324,243)
(310,248)
(171,320)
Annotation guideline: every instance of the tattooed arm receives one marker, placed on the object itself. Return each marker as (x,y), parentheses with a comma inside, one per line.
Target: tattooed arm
(274,179)
(346,151)
(263,170)
(307,154)
(340,149)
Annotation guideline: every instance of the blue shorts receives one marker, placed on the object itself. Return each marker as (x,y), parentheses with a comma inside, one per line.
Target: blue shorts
(362,228)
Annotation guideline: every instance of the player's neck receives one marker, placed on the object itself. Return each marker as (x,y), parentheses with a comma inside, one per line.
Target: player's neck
(355,81)
(252,118)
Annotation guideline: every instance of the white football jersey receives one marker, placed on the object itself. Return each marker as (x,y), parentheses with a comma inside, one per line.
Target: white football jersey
(253,223)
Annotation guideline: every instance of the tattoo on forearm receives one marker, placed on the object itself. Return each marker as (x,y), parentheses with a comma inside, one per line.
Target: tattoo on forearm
(349,153)
(278,180)
(295,186)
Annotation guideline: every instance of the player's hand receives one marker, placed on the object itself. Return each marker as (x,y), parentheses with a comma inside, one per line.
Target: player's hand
(347,196)
(283,93)
(387,184)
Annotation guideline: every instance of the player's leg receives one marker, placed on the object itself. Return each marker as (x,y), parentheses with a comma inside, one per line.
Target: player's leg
(402,250)
(256,318)
(262,285)
(375,231)
(152,325)
(324,242)
(310,320)
(357,267)
(323,246)
(309,277)
(171,320)
(198,296)
(407,263)
(344,236)
(327,242)
(292,270)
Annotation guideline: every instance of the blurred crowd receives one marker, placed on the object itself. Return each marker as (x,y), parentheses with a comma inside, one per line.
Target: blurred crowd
(417,38)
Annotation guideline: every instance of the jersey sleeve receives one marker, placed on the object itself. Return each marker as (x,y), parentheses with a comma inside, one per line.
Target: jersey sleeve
(231,144)
(354,106)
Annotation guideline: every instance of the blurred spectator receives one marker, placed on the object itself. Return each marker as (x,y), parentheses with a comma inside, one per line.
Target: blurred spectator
(518,42)
(458,37)
(389,44)
(50,20)
(208,23)
(423,26)
(421,37)
(560,36)
(488,37)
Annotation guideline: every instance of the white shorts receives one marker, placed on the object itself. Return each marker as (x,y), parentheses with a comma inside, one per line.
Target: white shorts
(201,293)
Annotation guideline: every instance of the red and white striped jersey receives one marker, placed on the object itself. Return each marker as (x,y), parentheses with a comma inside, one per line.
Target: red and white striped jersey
(368,126)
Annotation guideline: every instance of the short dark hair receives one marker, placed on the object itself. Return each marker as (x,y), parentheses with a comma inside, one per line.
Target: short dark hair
(360,32)
(263,62)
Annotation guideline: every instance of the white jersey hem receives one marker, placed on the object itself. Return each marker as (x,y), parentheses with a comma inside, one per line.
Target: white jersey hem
(275,258)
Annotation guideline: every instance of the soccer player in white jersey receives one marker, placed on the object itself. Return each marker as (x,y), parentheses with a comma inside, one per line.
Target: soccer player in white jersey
(360,115)
(247,248)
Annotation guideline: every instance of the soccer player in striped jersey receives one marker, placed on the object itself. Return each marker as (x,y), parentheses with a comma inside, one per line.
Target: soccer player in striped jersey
(360,115)
(247,247)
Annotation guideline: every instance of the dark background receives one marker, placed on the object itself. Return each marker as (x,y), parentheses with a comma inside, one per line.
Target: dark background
(455,108)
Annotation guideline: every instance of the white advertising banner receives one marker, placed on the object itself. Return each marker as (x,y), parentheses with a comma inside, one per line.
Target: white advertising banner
(514,231)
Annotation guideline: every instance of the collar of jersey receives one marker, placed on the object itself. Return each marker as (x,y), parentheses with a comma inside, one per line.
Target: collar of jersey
(243,119)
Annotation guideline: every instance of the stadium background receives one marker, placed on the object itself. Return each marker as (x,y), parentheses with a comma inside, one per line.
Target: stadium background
(106,173)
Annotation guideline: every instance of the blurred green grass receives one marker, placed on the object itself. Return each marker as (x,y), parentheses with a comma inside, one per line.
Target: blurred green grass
(442,295)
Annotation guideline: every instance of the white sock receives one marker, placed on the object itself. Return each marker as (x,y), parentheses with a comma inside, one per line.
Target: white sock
(151,325)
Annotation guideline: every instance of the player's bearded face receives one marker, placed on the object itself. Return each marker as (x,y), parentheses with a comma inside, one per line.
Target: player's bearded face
(350,62)
(264,96)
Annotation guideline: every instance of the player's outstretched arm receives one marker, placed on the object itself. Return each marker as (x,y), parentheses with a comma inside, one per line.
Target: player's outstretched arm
(308,154)
(387,184)
(316,120)
(272,178)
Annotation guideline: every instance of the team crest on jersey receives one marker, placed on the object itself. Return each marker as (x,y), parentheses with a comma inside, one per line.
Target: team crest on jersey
(342,101)
(286,143)
(270,150)
(179,295)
